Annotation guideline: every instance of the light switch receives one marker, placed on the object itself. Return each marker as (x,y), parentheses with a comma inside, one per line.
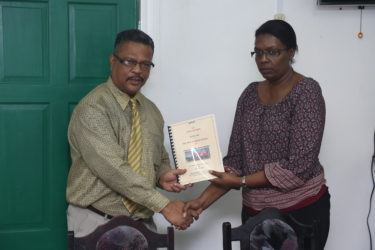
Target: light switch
(279,16)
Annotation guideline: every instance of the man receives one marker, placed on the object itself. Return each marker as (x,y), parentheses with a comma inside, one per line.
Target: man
(116,142)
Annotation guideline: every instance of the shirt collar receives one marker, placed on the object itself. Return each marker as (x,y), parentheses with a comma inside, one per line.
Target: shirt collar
(121,97)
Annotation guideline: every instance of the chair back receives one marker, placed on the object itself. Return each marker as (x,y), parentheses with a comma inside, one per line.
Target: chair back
(308,235)
(270,225)
(122,232)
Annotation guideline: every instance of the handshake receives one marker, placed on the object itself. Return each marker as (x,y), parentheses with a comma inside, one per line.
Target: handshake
(177,212)
(180,214)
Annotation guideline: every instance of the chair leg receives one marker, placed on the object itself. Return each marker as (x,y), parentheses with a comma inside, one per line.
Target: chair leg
(227,236)
(170,238)
(70,240)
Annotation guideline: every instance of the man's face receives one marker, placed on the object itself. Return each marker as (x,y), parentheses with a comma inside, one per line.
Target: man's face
(130,79)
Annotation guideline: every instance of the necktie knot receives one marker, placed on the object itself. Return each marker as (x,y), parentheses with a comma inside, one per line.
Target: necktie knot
(133,102)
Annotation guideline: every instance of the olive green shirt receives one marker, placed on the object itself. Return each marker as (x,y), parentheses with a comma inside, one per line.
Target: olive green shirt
(99,135)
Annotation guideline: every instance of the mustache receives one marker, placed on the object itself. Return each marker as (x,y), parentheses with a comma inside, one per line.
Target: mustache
(138,78)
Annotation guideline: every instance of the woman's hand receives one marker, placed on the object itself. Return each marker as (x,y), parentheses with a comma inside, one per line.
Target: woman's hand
(193,208)
(227,179)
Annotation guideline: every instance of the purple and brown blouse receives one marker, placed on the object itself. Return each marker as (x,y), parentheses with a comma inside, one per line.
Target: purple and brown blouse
(283,140)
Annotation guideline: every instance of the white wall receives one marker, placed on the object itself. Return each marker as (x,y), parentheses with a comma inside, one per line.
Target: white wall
(203,64)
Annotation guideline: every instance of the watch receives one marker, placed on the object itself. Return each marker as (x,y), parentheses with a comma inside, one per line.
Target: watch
(244,181)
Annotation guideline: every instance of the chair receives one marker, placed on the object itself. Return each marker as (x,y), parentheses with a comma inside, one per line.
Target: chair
(122,232)
(306,235)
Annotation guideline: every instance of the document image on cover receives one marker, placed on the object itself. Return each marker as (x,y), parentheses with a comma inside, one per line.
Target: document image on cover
(195,147)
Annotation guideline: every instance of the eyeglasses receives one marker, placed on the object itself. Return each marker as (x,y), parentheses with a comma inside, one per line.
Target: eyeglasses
(269,53)
(145,66)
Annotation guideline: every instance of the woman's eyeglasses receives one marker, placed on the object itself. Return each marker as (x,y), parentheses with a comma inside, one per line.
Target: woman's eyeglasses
(268,53)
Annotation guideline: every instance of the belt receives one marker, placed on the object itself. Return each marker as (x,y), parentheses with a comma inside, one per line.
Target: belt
(99,212)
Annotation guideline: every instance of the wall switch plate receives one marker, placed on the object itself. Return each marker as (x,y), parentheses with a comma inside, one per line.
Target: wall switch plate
(279,16)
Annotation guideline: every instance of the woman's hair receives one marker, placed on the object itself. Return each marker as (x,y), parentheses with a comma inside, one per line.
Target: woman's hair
(133,35)
(281,30)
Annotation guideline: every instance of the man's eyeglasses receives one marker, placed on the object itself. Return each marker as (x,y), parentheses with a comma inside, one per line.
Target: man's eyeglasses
(145,66)
(269,53)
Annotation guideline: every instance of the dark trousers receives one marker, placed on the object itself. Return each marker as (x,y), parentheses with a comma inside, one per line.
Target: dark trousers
(318,211)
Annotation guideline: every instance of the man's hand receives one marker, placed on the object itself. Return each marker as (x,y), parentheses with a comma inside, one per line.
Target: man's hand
(226,179)
(173,213)
(168,180)
(193,208)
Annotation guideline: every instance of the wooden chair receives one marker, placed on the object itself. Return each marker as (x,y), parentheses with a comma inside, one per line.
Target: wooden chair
(306,234)
(122,228)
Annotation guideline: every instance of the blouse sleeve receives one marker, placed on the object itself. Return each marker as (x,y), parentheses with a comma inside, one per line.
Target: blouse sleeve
(306,134)
(233,159)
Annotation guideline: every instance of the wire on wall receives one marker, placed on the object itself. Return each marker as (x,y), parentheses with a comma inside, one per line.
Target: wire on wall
(372,193)
(360,34)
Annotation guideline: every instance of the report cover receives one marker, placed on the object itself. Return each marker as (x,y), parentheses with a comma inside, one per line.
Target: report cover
(195,147)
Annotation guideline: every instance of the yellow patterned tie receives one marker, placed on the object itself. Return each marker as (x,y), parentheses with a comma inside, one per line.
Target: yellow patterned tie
(135,147)
(134,153)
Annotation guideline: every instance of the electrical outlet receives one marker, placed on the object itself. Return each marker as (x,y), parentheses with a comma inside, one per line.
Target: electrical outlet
(279,16)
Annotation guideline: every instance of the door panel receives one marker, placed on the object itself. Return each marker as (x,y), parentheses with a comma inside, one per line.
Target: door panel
(30,144)
(92,28)
(19,42)
(52,53)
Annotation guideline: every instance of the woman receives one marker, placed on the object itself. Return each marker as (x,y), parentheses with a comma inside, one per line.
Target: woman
(276,137)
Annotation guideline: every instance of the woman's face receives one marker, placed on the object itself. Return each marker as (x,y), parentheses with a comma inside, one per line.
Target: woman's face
(272,57)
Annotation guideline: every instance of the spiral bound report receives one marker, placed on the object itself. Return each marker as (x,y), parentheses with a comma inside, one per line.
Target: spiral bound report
(173,150)
(195,147)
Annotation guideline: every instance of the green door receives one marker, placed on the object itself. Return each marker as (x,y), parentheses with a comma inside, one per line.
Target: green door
(52,52)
